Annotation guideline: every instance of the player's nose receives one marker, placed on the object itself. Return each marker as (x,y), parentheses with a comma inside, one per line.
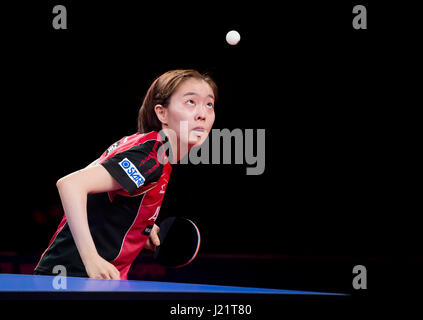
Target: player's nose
(201,113)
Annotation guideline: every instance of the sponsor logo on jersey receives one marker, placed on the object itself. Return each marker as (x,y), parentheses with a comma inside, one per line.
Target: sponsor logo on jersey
(147,230)
(112,148)
(132,172)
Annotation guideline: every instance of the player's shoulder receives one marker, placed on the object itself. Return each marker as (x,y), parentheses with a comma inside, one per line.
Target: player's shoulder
(136,140)
(144,139)
(156,144)
(151,140)
(152,136)
(151,144)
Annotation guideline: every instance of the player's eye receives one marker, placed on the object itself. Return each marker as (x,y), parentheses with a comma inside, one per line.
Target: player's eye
(190,102)
(210,105)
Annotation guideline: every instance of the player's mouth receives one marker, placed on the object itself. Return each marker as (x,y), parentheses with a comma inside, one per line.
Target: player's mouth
(199,130)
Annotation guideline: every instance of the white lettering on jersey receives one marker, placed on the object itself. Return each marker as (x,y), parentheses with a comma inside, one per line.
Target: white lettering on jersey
(156,214)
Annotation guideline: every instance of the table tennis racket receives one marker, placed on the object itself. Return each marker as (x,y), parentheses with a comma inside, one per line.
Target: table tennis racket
(179,242)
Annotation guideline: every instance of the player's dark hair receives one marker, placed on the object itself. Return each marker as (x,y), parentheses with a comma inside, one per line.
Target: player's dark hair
(160,92)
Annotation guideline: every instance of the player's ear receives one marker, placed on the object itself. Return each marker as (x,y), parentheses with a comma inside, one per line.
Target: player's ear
(161,113)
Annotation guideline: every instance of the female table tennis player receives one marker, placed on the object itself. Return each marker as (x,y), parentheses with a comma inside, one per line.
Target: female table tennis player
(111,206)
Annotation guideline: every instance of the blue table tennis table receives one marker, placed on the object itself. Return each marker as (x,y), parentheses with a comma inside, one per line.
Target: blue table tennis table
(36,286)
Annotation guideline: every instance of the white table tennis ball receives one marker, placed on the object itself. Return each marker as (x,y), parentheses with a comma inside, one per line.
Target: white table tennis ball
(233,37)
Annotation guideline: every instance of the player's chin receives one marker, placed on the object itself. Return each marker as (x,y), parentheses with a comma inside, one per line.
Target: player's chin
(197,141)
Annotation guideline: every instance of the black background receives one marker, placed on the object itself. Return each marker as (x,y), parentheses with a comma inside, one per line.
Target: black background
(339,107)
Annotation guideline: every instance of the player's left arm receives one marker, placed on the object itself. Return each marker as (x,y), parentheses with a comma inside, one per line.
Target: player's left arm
(73,190)
(93,179)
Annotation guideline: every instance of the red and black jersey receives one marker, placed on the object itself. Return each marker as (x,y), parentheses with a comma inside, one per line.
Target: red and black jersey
(120,221)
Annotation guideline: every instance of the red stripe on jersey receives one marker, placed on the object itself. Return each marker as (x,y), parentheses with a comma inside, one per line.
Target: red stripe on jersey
(153,155)
(134,240)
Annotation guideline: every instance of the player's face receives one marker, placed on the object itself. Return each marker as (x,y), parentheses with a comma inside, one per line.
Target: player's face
(191,112)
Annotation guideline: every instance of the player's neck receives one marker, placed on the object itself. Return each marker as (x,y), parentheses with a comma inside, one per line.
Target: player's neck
(178,151)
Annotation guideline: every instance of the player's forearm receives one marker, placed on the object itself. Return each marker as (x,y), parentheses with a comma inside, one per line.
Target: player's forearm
(74,201)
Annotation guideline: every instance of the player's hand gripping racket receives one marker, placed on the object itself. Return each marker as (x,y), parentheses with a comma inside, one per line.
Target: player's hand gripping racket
(179,242)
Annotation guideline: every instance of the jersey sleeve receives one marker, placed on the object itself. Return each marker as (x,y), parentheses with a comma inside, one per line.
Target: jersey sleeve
(135,167)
